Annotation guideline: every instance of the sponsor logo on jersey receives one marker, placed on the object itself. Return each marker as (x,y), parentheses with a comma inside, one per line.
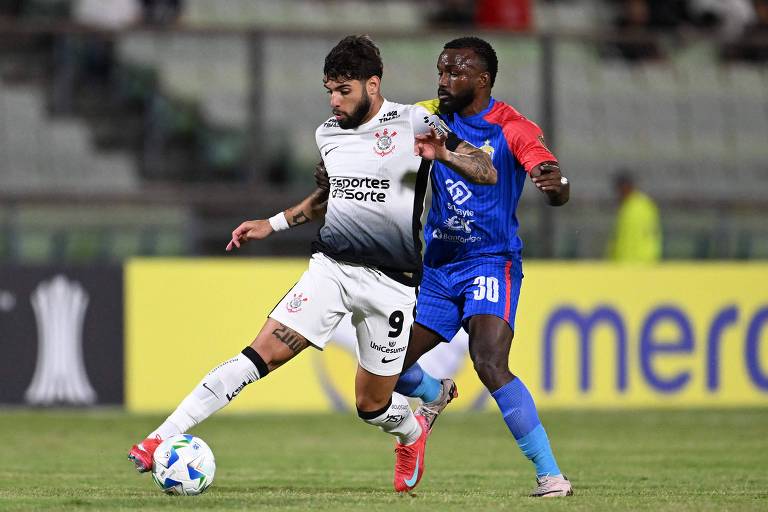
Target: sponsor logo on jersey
(433,121)
(384,142)
(437,234)
(325,153)
(461,212)
(459,191)
(488,148)
(389,116)
(331,123)
(359,189)
(456,223)
(387,350)
(294,305)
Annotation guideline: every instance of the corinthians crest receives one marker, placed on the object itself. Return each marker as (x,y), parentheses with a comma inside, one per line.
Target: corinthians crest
(384,143)
(294,305)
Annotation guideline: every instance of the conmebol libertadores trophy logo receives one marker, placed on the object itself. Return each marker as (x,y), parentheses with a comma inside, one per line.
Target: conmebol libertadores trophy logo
(60,377)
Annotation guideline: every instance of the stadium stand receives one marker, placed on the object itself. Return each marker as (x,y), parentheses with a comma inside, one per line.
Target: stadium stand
(224,96)
(44,154)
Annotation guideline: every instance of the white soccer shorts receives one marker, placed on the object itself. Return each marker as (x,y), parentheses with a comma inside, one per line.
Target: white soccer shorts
(382,311)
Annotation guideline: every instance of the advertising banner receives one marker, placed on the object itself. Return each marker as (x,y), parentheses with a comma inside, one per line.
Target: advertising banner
(61,335)
(587,335)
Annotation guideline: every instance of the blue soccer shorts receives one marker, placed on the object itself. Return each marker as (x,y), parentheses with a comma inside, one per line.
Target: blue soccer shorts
(453,293)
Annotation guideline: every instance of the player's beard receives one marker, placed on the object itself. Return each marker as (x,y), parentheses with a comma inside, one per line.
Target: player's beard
(455,102)
(355,119)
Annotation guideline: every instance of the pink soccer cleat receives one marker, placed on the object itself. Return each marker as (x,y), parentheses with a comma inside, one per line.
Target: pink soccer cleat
(409,460)
(141,454)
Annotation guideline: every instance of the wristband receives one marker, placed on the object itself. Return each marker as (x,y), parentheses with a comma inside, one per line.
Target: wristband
(452,142)
(279,222)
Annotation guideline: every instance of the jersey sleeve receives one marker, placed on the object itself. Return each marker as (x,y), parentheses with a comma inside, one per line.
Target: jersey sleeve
(424,116)
(318,136)
(419,119)
(526,141)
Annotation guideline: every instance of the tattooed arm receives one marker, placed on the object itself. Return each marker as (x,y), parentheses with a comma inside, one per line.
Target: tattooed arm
(472,163)
(311,208)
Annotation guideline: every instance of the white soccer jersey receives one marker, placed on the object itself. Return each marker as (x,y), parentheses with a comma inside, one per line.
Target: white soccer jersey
(377,188)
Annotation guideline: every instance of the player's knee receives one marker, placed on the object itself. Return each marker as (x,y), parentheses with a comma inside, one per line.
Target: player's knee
(367,405)
(492,371)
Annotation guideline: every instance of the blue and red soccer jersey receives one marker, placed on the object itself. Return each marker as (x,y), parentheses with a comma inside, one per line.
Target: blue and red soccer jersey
(472,260)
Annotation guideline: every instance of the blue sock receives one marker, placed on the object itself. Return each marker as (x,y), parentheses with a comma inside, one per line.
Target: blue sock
(417,383)
(519,411)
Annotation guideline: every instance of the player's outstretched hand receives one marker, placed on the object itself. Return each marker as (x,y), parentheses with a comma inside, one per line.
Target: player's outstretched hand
(321,177)
(430,146)
(249,230)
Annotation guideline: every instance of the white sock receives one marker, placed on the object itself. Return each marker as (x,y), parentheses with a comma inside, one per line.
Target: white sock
(216,390)
(397,419)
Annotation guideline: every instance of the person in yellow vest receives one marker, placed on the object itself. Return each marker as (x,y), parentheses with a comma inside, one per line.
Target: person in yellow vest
(637,234)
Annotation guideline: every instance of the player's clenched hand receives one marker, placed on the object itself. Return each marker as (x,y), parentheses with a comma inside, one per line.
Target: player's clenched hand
(321,177)
(249,230)
(547,177)
(430,146)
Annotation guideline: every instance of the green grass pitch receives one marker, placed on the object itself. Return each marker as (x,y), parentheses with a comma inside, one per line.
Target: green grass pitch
(638,460)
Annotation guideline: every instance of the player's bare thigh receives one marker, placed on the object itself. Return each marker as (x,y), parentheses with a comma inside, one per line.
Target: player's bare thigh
(278,344)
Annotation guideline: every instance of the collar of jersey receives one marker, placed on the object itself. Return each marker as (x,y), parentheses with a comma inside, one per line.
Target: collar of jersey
(479,115)
(385,107)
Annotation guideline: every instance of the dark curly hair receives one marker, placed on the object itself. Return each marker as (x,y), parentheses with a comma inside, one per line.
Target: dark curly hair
(482,48)
(354,58)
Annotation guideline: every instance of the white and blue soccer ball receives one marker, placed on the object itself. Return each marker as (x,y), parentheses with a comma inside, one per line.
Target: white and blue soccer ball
(183,464)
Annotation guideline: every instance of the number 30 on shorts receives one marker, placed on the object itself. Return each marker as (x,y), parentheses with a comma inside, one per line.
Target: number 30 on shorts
(487,289)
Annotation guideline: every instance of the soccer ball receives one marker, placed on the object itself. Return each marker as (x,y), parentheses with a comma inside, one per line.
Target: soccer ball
(183,464)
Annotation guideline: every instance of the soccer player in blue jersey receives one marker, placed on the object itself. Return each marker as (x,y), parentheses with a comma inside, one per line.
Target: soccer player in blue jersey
(472,262)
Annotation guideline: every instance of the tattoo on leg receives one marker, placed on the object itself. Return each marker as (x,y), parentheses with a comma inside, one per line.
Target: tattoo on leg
(291,339)
(299,219)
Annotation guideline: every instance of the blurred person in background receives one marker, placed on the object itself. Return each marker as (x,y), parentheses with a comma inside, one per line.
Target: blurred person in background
(162,12)
(637,234)
(752,43)
(730,18)
(636,20)
(11,9)
(452,13)
(107,14)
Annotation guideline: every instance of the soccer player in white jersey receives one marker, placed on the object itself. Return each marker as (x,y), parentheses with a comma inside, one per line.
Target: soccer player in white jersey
(366,261)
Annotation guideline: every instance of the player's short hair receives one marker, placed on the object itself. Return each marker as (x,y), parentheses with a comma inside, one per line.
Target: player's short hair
(354,58)
(482,48)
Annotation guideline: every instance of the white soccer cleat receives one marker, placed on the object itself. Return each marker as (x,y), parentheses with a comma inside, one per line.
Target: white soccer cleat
(431,410)
(552,487)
